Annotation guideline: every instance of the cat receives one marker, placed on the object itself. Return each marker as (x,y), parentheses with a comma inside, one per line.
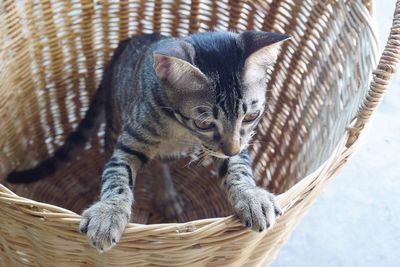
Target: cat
(161,96)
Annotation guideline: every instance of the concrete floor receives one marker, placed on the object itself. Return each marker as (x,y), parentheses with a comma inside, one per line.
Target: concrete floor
(356,221)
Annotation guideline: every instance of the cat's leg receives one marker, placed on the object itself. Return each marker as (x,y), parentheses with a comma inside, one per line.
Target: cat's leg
(167,199)
(104,222)
(255,207)
(110,139)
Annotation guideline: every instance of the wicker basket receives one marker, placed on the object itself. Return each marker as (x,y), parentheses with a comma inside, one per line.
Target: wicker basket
(52,55)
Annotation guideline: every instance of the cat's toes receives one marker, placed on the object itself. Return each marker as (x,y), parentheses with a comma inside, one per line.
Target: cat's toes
(257,209)
(103,225)
(171,207)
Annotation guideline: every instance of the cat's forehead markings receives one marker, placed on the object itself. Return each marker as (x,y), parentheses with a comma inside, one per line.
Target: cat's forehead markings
(215,112)
(244,106)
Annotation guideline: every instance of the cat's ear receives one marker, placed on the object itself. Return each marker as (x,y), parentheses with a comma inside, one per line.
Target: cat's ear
(262,46)
(260,50)
(174,63)
(178,73)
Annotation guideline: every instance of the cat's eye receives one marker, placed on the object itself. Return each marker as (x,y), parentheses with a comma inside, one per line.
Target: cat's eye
(251,116)
(204,124)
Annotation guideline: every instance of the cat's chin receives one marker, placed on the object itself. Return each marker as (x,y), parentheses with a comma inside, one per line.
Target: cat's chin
(214,154)
(220,156)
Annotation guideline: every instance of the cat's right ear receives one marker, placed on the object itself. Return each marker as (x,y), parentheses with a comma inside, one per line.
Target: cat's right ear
(173,63)
(179,73)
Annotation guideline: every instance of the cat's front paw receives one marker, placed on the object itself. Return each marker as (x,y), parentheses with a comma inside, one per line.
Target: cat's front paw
(256,208)
(103,223)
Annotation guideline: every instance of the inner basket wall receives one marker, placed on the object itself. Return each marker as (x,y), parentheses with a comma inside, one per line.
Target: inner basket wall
(52,54)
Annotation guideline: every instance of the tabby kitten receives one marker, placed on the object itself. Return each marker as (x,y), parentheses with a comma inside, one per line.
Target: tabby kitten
(160,96)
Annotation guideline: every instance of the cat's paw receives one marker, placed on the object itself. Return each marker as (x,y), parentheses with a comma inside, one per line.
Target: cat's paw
(103,224)
(256,208)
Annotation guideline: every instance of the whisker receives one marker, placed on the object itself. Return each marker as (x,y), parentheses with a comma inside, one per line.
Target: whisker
(201,159)
(210,152)
(194,158)
(185,142)
(190,162)
(256,142)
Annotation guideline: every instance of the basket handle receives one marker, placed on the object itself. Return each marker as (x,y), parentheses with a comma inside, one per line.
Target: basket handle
(369,4)
(382,76)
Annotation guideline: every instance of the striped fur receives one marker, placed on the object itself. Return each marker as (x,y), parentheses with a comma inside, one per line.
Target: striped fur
(255,207)
(161,97)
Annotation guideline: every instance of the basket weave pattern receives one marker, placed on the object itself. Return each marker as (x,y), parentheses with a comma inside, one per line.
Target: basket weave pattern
(52,54)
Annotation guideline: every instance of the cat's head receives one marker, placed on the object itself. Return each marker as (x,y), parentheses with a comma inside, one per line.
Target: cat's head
(216,83)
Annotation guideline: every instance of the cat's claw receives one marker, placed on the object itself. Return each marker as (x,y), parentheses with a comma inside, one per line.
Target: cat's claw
(103,224)
(256,208)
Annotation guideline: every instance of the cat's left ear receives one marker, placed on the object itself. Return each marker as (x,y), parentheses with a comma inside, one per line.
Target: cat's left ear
(260,50)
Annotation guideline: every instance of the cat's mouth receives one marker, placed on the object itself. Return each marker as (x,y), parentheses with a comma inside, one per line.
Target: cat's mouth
(213,153)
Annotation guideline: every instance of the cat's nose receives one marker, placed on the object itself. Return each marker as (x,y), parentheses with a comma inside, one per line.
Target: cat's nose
(230,148)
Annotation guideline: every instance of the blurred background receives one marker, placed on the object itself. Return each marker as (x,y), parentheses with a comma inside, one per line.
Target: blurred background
(356,221)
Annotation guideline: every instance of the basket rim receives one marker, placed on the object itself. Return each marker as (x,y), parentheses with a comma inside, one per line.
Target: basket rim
(285,201)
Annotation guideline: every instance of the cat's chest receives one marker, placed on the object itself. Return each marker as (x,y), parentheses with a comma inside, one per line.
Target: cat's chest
(173,149)
(180,144)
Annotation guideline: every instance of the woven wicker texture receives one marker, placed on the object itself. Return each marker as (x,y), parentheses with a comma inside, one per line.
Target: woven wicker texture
(52,54)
